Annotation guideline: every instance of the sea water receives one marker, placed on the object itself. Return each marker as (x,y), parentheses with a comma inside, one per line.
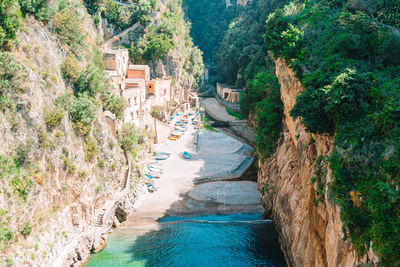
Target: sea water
(214,240)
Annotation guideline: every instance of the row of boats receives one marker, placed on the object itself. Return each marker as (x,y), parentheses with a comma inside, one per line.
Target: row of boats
(154,169)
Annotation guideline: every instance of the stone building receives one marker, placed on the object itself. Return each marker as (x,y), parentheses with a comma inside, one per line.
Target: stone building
(228,93)
(134,83)
(159,90)
(135,94)
(116,64)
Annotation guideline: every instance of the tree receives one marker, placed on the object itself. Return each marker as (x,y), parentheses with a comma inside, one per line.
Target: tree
(128,137)
(10,15)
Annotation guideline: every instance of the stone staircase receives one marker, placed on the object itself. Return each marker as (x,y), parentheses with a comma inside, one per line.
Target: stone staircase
(99,219)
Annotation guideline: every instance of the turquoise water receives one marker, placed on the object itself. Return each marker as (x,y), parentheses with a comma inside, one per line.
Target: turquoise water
(215,240)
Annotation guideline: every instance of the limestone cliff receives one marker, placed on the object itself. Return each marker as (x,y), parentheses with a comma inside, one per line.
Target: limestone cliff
(308,223)
(65,202)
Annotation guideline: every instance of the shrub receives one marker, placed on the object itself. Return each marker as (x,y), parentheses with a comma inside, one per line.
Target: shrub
(153,45)
(348,96)
(91,148)
(256,90)
(10,21)
(53,117)
(41,9)
(11,76)
(158,112)
(83,112)
(69,29)
(6,234)
(115,104)
(128,137)
(70,68)
(24,153)
(26,229)
(91,81)
(44,139)
(65,101)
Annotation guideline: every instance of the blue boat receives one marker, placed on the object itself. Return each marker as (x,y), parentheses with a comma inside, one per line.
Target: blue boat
(161,157)
(150,177)
(151,187)
(186,155)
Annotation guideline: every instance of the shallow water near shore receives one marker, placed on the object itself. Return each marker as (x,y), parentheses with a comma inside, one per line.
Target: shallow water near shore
(210,240)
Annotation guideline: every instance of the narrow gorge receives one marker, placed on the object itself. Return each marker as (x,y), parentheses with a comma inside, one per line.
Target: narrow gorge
(199,133)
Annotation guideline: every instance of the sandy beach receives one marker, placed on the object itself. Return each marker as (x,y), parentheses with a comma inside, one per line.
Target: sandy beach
(216,159)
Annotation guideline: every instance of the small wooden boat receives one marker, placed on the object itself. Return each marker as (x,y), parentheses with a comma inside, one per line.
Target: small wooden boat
(151,187)
(173,138)
(150,176)
(162,157)
(153,174)
(186,155)
(155,169)
(176,133)
(156,166)
(162,153)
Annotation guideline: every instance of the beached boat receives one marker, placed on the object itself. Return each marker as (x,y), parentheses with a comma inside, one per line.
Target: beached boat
(153,174)
(150,187)
(153,170)
(156,166)
(186,155)
(173,138)
(162,157)
(162,153)
(150,176)
(176,133)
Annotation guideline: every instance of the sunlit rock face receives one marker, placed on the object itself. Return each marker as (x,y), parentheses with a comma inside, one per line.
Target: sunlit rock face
(309,225)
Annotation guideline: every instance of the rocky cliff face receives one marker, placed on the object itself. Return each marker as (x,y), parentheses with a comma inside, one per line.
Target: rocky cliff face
(73,199)
(294,182)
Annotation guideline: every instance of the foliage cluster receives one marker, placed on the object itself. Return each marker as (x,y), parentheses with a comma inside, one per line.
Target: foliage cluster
(17,179)
(122,15)
(263,95)
(53,116)
(115,104)
(10,21)
(155,44)
(242,52)
(128,137)
(210,20)
(6,233)
(11,79)
(343,54)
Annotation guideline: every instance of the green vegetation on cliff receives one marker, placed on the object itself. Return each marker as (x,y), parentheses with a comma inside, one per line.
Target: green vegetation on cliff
(210,20)
(344,55)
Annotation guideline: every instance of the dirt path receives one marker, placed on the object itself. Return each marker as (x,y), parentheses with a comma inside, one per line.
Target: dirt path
(216,110)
